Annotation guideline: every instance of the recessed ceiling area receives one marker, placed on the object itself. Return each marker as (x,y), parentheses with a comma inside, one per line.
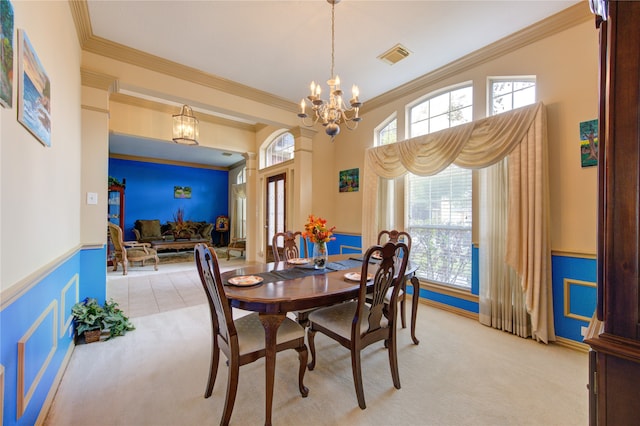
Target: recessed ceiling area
(168,150)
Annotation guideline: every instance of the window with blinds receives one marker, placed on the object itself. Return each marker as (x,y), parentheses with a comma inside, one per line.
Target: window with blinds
(439,208)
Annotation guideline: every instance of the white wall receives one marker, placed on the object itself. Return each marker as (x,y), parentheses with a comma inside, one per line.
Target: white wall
(566,69)
(39,186)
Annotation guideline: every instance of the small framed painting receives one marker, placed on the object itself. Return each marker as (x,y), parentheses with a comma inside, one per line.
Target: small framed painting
(181,192)
(6,54)
(349,180)
(589,143)
(34,92)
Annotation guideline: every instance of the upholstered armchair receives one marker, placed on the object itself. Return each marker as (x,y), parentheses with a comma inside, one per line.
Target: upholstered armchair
(129,251)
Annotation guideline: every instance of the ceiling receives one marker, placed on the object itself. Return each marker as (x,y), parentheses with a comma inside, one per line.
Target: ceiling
(280,46)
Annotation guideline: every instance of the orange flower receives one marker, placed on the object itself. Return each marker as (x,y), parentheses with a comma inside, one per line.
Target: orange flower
(316,230)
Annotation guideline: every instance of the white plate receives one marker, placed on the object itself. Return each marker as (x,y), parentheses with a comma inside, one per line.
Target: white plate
(377,255)
(298,261)
(245,280)
(355,276)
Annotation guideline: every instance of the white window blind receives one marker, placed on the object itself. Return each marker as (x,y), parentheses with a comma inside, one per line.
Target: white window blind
(439,208)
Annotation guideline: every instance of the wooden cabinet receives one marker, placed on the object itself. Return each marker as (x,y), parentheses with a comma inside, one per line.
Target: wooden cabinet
(115,212)
(115,207)
(614,384)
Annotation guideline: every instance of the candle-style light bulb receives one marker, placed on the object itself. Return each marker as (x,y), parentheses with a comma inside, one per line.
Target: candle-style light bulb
(337,81)
(355,91)
(313,88)
(303,105)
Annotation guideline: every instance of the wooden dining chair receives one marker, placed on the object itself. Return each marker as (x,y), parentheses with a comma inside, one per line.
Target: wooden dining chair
(241,340)
(290,248)
(395,236)
(358,323)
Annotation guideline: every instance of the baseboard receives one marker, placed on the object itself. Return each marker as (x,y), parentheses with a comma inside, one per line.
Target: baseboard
(572,344)
(560,341)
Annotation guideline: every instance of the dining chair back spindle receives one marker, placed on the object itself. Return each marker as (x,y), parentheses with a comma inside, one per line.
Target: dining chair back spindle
(359,323)
(398,236)
(289,249)
(241,340)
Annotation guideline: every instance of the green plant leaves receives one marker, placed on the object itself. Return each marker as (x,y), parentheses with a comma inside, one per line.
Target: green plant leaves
(89,315)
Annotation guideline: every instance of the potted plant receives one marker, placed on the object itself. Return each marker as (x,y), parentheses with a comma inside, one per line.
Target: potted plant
(91,319)
(88,317)
(115,320)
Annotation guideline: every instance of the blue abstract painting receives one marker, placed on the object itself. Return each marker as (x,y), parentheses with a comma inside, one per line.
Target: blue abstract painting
(34,94)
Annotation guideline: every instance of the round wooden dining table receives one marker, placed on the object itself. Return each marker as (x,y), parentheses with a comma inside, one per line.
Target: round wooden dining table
(274,299)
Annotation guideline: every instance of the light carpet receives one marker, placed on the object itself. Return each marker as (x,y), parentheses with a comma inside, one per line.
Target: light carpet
(461,373)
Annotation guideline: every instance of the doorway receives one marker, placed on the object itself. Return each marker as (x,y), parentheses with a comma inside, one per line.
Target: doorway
(275,210)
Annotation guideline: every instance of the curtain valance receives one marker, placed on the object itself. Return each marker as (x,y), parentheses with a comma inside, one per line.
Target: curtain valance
(519,134)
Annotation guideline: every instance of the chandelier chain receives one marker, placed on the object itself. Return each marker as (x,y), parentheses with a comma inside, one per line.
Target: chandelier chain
(333,38)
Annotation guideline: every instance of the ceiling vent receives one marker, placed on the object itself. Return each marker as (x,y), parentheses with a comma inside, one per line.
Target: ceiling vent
(395,54)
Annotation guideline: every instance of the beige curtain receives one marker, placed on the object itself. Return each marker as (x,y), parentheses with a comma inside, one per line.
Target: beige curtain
(521,134)
(502,300)
(238,191)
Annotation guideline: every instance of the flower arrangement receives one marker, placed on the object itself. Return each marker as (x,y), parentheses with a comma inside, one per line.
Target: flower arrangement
(316,230)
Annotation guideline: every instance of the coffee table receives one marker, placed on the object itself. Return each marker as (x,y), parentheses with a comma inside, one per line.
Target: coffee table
(177,244)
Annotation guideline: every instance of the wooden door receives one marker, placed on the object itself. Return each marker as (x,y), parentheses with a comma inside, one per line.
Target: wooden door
(275,210)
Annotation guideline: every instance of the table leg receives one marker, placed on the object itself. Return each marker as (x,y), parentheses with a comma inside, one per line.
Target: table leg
(270,322)
(414,307)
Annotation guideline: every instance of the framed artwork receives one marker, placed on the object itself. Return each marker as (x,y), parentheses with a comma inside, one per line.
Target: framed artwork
(589,143)
(181,192)
(349,180)
(6,54)
(222,223)
(34,92)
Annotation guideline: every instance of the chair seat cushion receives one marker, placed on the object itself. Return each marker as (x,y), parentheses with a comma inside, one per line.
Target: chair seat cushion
(139,252)
(251,332)
(338,318)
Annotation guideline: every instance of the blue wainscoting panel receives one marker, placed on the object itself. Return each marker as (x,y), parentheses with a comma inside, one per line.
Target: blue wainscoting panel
(574,294)
(36,333)
(345,244)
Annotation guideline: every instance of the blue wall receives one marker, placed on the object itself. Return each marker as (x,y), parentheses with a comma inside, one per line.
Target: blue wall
(39,320)
(149,192)
(573,280)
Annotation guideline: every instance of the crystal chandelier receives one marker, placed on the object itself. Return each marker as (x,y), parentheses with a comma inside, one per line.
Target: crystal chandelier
(334,111)
(185,127)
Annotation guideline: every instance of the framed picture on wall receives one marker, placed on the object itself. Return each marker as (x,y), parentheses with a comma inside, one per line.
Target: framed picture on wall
(34,92)
(589,143)
(181,192)
(6,54)
(349,180)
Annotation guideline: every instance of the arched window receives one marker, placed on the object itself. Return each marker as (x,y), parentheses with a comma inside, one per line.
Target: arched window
(388,132)
(280,150)
(439,206)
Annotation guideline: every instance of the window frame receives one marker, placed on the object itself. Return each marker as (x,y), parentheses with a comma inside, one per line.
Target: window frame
(407,199)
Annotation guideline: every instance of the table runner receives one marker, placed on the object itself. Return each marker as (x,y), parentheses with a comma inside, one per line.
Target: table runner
(304,270)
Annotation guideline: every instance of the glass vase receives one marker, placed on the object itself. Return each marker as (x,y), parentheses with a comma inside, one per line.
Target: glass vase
(320,255)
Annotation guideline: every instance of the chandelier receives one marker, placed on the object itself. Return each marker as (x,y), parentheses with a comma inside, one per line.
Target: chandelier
(185,127)
(334,111)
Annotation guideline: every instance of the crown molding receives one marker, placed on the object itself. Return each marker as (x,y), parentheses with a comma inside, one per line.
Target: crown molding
(157,106)
(554,24)
(98,80)
(100,46)
(568,18)
(80,14)
(169,162)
